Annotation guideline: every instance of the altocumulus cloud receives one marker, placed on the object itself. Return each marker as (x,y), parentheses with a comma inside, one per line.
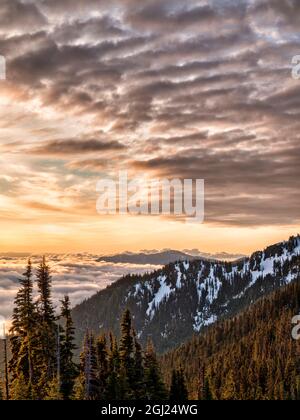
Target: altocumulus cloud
(194,89)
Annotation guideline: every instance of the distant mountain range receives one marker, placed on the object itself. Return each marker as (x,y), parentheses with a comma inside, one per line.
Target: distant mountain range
(166,257)
(152,257)
(183,298)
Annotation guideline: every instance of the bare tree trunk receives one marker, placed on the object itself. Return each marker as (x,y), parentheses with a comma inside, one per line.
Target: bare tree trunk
(6,368)
(58,359)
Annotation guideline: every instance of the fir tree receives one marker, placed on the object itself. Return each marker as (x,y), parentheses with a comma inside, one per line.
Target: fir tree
(68,369)
(21,390)
(155,387)
(53,391)
(178,390)
(113,380)
(102,363)
(174,386)
(127,356)
(139,389)
(207,395)
(47,346)
(87,383)
(44,288)
(23,336)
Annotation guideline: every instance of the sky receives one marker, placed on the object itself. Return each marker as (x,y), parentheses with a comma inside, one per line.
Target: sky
(178,89)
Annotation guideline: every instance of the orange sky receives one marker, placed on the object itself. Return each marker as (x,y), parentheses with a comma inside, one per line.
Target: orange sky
(114,234)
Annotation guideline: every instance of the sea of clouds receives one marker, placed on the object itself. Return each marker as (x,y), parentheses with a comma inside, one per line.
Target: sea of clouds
(77,275)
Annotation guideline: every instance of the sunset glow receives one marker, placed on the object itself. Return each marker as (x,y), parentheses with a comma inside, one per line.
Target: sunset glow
(91,90)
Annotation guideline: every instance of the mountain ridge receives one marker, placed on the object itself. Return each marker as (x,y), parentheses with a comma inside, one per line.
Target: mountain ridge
(165,257)
(181,299)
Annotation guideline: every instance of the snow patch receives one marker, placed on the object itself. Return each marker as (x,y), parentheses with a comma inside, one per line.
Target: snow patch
(163,293)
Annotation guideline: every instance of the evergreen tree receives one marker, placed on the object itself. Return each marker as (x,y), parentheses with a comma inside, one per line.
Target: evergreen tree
(53,391)
(139,389)
(207,395)
(23,337)
(68,369)
(127,356)
(46,352)
(229,389)
(87,386)
(44,288)
(1,391)
(178,390)
(155,387)
(174,386)
(102,363)
(21,390)
(113,380)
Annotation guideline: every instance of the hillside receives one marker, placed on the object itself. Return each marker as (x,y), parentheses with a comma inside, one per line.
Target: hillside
(252,356)
(183,298)
(156,258)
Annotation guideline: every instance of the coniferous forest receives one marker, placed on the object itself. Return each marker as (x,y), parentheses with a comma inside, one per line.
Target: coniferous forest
(42,364)
(251,356)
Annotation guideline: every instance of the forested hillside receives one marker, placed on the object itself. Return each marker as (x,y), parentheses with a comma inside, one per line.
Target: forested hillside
(252,356)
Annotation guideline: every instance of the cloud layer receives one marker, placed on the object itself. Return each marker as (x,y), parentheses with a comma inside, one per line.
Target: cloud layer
(194,89)
(77,275)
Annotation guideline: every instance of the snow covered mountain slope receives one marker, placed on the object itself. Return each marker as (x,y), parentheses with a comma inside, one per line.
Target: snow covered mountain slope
(172,304)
